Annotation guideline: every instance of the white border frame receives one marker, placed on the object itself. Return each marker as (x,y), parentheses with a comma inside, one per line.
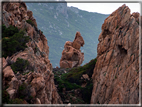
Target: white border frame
(81,1)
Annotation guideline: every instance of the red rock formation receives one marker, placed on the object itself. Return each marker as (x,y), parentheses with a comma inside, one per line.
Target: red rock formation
(40,82)
(116,73)
(72,55)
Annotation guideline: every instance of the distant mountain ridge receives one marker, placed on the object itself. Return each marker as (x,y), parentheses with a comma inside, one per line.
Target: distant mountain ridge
(59,23)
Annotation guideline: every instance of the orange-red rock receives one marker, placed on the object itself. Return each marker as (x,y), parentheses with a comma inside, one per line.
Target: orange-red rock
(40,83)
(116,73)
(72,55)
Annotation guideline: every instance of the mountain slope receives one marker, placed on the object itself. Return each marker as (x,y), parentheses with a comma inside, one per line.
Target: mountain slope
(60,23)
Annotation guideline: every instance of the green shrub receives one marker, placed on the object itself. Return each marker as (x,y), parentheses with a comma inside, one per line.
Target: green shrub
(65,84)
(16,101)
(10,31)
(75,74)
(105,74)
(137,22)
(30,22)
(36,49)
(22,87)
(5,97)
(14,43)
(23,92)
(72,80)
(87,92)
(117,27)
(20,65)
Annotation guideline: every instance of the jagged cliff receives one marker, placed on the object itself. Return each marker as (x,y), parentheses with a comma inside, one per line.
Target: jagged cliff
(116,74)
(35,83)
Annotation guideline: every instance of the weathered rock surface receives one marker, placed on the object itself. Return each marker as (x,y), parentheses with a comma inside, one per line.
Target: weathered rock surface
(40,82)
(72,55)
(116,74)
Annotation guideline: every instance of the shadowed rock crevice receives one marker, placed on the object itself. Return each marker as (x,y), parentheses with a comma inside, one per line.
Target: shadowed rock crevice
(106,32)
(122,50)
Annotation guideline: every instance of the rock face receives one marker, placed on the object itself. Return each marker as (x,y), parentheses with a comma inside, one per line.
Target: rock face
(116,74)
(40,82)
(72,55)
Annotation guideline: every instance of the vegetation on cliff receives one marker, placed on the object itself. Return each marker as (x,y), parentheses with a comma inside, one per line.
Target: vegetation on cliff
(13,40)
(30,22)
(70,82)
(21,65)
(25,63)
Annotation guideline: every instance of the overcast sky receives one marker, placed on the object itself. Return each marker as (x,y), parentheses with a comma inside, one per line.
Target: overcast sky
(105,8)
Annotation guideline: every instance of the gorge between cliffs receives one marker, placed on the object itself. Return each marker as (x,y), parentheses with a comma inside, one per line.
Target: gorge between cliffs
(28,76)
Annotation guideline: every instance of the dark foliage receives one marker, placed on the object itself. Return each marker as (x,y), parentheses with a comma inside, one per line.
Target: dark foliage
(16,101)
(24,93)
(87,92)
(30,22)
(13,41)
(75,74)
(10,31)
(20,65)
(117,27)
(65,84)
(5,97)
(72,80)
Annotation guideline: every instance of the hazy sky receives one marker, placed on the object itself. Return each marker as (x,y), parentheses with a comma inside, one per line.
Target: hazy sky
(105,8)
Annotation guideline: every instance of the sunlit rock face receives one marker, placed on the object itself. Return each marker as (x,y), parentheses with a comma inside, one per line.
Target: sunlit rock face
(40,85)
(72,55)
(116,74)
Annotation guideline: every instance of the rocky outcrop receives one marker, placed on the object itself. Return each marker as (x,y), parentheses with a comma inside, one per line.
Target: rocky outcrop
(40,82)
(72,55)
(116,74)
